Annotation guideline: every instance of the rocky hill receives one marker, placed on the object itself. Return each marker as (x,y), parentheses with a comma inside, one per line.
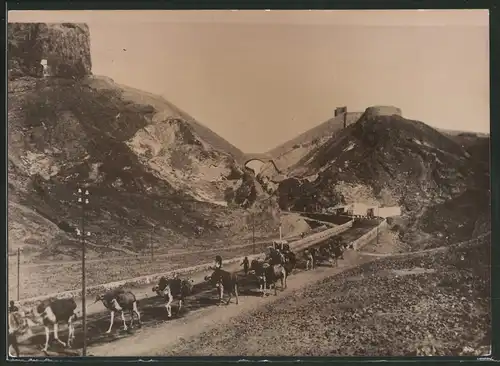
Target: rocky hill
(289,153)
(146,162)
(389,160)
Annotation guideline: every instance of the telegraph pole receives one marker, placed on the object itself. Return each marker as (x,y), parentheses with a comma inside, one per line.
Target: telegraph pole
(253,231)
(378,213)
(151,243)
(18,271)
(83,200)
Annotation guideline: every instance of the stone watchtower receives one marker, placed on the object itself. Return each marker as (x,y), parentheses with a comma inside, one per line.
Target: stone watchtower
(342,111)
(49,49)
(46,68)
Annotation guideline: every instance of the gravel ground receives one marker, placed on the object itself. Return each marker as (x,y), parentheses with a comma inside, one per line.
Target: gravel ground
(428,304)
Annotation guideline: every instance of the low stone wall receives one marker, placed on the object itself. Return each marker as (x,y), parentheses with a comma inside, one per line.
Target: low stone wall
(153,278)
(333,219)
(365,239)
(318,237)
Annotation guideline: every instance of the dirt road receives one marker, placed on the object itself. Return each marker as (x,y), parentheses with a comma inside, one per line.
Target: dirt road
(158,333)
(198,314)
(159,340)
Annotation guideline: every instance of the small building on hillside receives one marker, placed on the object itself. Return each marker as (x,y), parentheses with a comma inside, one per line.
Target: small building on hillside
(361,209)
(354,209)
(385,212)
(46,69)
(337,210)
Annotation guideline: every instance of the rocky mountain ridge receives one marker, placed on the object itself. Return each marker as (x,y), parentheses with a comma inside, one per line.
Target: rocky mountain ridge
(146,162)
(389,160)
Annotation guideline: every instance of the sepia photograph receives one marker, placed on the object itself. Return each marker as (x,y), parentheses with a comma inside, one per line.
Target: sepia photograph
(248,183)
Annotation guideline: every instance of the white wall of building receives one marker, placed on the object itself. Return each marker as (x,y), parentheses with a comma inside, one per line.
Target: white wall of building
(388,211)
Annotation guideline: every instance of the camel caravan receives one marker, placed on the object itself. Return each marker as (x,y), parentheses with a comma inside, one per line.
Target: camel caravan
(262,274)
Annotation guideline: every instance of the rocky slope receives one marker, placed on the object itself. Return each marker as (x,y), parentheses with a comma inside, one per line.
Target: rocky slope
(290,152)
(390,160)
(146,162)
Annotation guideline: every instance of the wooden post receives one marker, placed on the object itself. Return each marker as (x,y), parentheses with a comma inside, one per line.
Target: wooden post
(151,243)
(253,231)
(83,199)
(378,212)
(18,271)
(84,289)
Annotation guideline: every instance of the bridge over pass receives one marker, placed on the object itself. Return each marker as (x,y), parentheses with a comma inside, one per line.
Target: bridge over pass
(263,158)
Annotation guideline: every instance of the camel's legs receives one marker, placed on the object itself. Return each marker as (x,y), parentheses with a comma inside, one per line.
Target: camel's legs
(137,312)
(56,335)
(124,323)
(47,336)
(168,306)
(71,331)
(111,321)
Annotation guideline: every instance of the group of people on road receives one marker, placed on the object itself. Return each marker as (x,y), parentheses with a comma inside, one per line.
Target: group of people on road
(276,252)
(332,249)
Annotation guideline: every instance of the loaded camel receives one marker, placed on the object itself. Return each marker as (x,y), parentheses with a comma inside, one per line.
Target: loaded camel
(270,273)
(51,312)
(224,281)
(120,300)
(170,288)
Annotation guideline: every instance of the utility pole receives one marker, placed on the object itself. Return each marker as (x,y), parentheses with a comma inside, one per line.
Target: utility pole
(18,271)
(151,243)
(83,200)
(378,213)
(253,231)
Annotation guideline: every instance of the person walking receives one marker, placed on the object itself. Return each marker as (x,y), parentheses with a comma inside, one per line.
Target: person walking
(309,259)
(218,262)
(15,328)
(246,265)
(12,307)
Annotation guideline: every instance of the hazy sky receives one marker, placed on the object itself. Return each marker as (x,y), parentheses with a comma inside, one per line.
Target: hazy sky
(260,78)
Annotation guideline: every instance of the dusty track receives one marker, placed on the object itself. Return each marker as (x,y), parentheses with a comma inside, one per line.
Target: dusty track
(425,251)
(199,314)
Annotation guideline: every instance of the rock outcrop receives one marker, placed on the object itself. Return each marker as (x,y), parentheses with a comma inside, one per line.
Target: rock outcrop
(64,46)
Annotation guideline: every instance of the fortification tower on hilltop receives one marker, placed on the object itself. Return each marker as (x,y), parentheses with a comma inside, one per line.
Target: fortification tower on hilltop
(342,111)
(49,49)
(348,118)
(383,110)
